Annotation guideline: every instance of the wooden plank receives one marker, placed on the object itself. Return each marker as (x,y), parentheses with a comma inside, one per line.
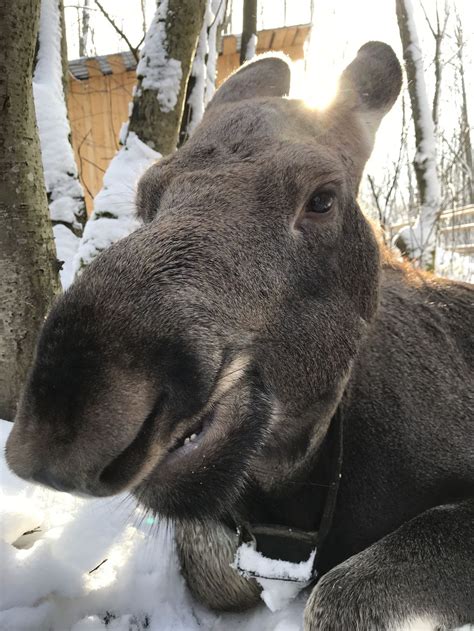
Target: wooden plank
(461,226)
(226,64)
(81,133)
(278,39)
(79,119)
(463,249)
(121,86)
(116,63)
(229,45)
(301,35)
(289,36)
(93,67)
(94,149)
(460,212)
(294,52)
(264,40)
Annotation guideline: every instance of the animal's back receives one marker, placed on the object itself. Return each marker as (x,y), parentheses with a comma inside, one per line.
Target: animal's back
(410,409)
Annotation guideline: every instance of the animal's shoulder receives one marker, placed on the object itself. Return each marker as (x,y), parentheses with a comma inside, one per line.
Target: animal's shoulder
(427,312)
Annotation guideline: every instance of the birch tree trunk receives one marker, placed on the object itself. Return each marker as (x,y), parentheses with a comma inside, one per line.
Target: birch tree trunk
(153,127)
(28,267)
(64,55)
(65,195)
(418,241)
(439,32)
(202,81)
(465,131)
(248,43)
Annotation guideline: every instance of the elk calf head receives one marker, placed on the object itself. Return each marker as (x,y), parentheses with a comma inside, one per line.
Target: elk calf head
(210,348)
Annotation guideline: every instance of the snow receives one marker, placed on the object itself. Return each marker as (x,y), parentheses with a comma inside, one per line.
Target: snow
(283,579)
(251,47)
(48,581)
(101,565)
(251,560)
(198,71)
(420,238)
(218,9)
(67,246)
(66,198)
(156,69)
(278,594)
(114,206)
(454,265)
(204,66)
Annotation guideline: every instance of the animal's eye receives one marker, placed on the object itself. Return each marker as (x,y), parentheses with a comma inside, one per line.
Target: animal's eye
(320,202)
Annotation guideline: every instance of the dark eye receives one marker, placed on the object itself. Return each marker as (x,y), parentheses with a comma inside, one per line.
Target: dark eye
(320,202)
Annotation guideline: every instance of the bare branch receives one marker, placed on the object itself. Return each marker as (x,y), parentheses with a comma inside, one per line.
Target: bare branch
(133,49)
(376,194)
(142,6)
(428,21)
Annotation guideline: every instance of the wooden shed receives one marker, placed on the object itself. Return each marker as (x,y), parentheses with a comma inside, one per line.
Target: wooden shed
(101,90)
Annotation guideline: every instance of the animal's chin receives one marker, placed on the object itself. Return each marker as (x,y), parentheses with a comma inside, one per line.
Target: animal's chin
(205,475)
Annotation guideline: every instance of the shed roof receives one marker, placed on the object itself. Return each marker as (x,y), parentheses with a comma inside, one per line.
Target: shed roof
(268,39)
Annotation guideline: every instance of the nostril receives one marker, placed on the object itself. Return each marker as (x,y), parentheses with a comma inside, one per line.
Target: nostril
(46,478)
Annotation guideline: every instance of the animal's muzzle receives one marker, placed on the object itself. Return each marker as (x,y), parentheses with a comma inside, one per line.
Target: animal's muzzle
(46,478)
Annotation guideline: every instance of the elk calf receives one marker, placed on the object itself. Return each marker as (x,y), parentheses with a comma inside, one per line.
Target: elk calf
(220,360)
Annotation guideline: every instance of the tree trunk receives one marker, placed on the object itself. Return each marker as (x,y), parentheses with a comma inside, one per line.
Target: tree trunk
(418,241)
(65,194)
(84,29)
(163,73)
(249,31)
(28,267)
(438,32)
(153,128)
(202,81)
(465,136)
(64,57)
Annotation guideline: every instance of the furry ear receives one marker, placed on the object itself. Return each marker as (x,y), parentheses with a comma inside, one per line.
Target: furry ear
(371,84)
(268,75)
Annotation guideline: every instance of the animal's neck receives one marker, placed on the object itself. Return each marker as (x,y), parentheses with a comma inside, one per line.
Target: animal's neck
(299,503)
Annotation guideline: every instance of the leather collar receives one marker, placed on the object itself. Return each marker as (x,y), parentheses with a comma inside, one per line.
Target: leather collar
(290,544)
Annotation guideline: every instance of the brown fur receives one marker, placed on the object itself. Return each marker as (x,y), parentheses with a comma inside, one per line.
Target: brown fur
(240,313)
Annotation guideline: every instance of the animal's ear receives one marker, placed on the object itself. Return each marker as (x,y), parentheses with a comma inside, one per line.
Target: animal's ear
(268,75)
(370,85)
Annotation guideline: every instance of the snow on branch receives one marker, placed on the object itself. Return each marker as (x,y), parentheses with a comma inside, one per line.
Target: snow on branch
(114,206)
(65,194)
(204,68)
(155,69)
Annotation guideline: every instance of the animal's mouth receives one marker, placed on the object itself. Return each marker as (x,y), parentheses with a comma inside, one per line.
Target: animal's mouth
(170,453)
(142,455)
(191,440)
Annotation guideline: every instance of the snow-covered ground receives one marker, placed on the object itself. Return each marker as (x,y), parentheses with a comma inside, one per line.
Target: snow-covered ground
(454,265)
(48,581)
(101,565)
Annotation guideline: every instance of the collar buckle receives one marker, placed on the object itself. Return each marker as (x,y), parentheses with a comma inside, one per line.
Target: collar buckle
(275,552)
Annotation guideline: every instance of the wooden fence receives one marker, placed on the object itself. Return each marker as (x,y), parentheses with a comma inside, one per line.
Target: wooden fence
(101,90)
(455,233)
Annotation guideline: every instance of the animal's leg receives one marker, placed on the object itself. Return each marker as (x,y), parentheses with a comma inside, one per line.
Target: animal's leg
(420,574)
(206,551)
